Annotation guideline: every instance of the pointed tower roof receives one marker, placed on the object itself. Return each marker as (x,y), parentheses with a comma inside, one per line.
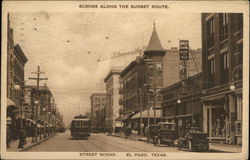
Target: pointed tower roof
(154,43)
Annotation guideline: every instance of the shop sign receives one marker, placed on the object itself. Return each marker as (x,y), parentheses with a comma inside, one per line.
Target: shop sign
(184,50)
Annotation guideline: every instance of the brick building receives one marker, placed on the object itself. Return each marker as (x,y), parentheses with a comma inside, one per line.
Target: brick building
(183,105)
(171,68)
(142,79)
(222,52)
(16,61)
(98,102)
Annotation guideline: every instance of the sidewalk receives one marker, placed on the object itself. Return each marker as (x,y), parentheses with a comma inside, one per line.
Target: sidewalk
(212,146)
(14,144)
(225,147)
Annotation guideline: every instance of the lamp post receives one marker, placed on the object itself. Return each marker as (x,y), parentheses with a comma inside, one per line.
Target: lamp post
(44,125)
(17,87)
(34,139)
(49,124)
(235,76)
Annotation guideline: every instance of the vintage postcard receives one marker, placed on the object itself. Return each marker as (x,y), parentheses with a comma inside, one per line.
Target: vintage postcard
(125,80)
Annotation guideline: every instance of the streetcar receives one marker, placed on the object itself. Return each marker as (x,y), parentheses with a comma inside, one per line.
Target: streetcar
(80,127)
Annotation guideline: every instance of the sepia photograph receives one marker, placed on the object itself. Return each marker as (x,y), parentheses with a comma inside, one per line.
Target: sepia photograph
(124,80)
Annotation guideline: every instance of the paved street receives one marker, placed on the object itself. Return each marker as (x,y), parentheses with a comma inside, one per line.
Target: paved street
(97,143)
(101,143)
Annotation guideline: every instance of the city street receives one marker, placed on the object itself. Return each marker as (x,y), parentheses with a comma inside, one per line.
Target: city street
(97,143)
(100,143)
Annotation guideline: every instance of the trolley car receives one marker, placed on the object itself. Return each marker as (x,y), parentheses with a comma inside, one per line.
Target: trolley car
(80,127)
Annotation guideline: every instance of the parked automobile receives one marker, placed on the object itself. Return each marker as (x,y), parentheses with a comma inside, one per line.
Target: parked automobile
(194,140)
(163,133)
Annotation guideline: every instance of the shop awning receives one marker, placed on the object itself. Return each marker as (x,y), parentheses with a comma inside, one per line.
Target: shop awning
(124,117)
(184,115)
(118,118)
(169,117)
(213,97)
(30,120)
(10,102)
(145,114)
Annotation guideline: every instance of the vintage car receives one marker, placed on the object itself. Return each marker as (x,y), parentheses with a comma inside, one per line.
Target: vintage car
(164,133)
(194,140)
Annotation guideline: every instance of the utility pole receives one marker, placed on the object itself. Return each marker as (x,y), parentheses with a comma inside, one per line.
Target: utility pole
(140,90)
(155,94)
(37,98)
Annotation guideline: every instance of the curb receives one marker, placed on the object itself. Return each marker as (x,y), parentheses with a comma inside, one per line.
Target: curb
(34,144)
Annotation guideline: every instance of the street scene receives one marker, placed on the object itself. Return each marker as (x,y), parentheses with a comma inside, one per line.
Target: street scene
(104,82)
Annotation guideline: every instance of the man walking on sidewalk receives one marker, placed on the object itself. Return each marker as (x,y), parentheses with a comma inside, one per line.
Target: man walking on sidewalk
(22,134)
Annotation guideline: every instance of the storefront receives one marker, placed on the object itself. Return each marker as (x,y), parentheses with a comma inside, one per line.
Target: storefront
(183,108)
(11,119)
(222,114)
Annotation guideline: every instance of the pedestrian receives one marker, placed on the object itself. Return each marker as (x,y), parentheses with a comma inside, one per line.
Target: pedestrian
(8,136)
(21,137)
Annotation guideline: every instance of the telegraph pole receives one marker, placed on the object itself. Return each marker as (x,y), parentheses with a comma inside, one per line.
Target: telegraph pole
(38,72)
(140,112)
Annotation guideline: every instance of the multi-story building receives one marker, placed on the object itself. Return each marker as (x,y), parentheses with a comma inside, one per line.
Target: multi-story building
(171,68)
(222,52)
(16,61)
(122,59)
(112,107)
(44,97)
(98,102)
(141,80)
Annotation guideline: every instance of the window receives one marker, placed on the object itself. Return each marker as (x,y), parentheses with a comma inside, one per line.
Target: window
(226,60)
(211,77)
(151,96)
(240,21)
(224,65)
(240,50)
(159,70)
(223,26)
(210,33)
(150,69)
(212,66)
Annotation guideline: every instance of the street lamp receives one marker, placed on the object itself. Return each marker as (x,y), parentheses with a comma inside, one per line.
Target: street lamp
(49,123)
(178,100)
(44,126)
(17,87)
(235,76)
(36,104)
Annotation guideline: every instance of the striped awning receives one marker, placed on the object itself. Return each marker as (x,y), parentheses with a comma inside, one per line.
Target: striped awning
(146,115)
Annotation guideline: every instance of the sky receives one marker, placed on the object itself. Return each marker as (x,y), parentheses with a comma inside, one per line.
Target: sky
(74,48)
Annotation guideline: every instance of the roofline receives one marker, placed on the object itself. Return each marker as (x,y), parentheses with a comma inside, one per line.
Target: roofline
(41,88)
(179,82)
(128,68)
(97,94)
(111,72)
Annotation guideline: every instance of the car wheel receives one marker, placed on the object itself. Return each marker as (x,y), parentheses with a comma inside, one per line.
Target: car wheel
(189,146)
(158,142)
(179,145)
(172,143)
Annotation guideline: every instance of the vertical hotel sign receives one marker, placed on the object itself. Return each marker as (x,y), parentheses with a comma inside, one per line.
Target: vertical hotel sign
(184,49)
